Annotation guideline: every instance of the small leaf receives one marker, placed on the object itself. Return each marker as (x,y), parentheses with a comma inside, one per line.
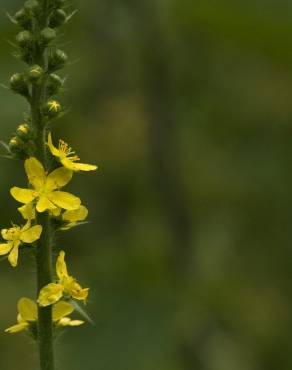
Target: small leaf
(81,311)
(71,15)
(5,145)
(11,18)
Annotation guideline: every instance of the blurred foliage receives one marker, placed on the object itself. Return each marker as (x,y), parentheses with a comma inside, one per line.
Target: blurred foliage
(185,106)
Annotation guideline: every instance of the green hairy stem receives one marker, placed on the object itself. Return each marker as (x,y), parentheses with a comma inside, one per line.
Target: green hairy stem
(44,247)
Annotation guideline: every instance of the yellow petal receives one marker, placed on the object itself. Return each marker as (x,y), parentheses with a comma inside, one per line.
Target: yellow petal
(73,166)
(56,212)
(35,172)
(50,294)
(19,318)
(23,195)
(61,267)
(44,204)
(58,178)
(81,294)
(17,328)
(27,211)
(27,309)
(52,148)
(68,226)
(32,234)
(5,248)
(78,214)
(62,309)
(77,292)
(66,321)
(13,255)
(11,233)
(64,200)
(76,322)
(6,234)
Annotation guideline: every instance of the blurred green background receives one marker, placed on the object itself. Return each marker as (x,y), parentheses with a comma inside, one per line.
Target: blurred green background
(186,108)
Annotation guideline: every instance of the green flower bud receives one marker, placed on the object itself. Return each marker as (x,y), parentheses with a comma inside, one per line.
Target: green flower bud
(54,84)
(47,35)
(23,131)
(57,60)
(52,108)
(20,149)
(35,73)
(18,84)
(32,6)
(58,18)
(16,147)
(24,39)
(23,19)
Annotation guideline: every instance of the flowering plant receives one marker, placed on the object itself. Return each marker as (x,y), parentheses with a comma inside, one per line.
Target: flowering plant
(45,207)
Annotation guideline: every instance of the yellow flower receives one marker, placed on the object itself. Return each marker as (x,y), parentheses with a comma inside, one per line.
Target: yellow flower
(54,106)
(68,157)
(17,235)
(44,188)
(23,129)
(66,286)
(72,218)
(28,314)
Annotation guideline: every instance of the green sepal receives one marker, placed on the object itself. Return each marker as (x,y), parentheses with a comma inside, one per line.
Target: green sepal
(57,60)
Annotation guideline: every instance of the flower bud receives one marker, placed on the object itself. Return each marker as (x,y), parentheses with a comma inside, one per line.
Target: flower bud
(57,60)
(23,19)
(24,39)
(20,149)
(14,143)
(54,84)
(35,73)
(47,35)
(18,84)
(32,6)
(58,18)
(52,108)
(16,146)
(23,131)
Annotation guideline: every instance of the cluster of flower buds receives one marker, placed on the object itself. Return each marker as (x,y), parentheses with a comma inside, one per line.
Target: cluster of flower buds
(28,41)
(21,144)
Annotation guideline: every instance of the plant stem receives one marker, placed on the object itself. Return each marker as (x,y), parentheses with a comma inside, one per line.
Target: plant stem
(44,246)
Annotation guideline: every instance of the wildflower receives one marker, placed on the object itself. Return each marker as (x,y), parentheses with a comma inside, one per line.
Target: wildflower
(23,129)
(54,106)
(28,314)
(68,157)
(66,286)
(17,235)
(72,218)
(45,187)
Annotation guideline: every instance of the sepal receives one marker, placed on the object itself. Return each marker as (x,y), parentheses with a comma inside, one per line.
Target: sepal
(57,60)
(58,18)
(18,84)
